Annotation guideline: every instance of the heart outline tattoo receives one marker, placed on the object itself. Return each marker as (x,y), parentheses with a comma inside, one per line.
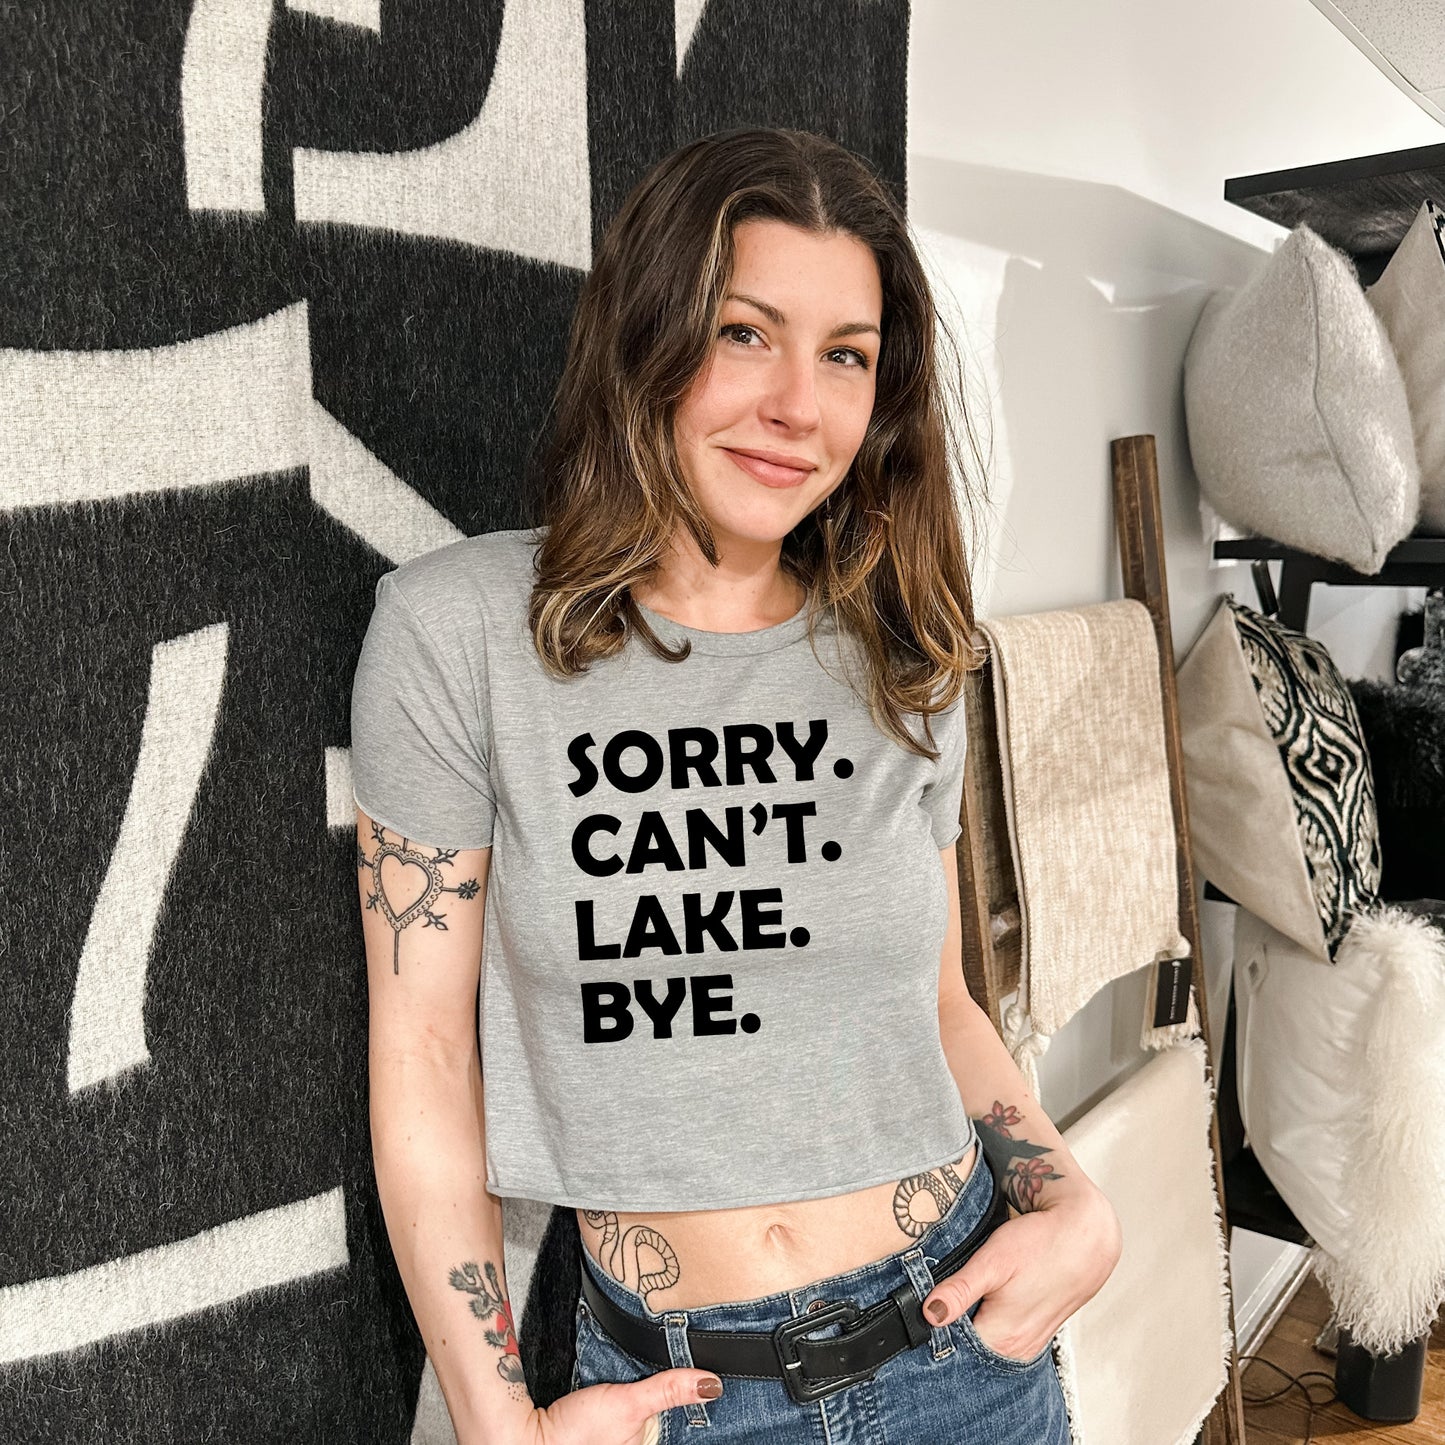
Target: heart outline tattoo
(421,905)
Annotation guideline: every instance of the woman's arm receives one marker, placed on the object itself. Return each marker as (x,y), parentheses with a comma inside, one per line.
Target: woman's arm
(428,1140)
(427,1134)
(1040,1267)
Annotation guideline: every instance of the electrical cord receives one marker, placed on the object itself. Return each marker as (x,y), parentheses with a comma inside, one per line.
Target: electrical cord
(1292,1382)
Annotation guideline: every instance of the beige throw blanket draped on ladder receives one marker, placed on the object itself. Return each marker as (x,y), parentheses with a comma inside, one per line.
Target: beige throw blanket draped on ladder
(1086,784)
(1091,825)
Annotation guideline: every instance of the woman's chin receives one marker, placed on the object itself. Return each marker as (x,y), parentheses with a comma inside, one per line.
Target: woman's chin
(758,526)
(751,534)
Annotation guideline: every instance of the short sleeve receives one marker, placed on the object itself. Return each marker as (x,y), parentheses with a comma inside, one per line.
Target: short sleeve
(942,797)
(420,744)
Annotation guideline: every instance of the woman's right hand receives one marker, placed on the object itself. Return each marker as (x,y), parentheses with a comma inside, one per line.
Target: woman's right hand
(615,1414)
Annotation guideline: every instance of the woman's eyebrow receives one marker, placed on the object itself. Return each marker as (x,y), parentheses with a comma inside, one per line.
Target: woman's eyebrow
(848,328)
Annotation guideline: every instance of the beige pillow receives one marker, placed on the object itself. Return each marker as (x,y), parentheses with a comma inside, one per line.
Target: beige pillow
(1281,796)
(1410,299)
(1298,423)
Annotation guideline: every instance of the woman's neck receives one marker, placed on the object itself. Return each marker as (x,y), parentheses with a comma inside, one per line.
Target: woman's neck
(741,594)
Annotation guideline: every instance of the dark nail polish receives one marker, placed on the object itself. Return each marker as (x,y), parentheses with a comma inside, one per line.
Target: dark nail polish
(710,1389)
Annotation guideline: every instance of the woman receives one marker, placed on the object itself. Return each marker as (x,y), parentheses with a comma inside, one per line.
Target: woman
(710,714)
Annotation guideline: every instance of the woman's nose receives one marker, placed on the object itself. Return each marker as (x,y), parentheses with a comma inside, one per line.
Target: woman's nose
(793,397)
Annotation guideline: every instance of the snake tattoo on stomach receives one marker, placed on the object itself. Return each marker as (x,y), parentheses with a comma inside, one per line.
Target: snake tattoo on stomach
(619,1251)
(618,1248)
(941,1185)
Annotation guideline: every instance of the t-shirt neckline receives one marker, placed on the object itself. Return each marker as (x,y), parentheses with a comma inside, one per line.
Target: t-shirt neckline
(761,639)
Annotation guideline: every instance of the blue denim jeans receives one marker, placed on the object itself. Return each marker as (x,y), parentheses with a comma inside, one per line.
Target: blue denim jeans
(950,1389)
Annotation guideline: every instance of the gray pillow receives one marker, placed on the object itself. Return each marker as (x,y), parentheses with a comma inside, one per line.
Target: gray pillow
(1410,299)
(1298,423)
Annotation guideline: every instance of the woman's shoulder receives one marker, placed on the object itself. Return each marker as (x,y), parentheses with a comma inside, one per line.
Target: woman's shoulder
(491,573)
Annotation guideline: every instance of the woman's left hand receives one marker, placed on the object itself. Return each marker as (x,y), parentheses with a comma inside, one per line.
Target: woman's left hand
(1034,1271)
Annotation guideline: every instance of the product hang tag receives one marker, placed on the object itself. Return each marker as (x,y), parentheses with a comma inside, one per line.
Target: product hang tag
(1171,992)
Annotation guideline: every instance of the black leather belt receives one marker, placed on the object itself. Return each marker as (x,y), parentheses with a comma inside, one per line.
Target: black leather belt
(810,1369)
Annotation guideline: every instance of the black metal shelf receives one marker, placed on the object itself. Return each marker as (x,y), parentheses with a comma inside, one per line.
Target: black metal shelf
(1415,562)
(1362,205)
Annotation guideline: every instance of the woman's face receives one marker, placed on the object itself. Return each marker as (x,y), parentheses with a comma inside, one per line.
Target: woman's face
(775,419)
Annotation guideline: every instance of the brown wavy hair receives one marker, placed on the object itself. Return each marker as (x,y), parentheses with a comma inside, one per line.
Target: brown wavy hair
(887,554)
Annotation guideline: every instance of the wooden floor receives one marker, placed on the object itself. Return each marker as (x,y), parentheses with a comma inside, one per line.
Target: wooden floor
(1291,1346)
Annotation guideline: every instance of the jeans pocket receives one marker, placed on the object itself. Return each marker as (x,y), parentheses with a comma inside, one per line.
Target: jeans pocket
(600,1358)
(990,1356)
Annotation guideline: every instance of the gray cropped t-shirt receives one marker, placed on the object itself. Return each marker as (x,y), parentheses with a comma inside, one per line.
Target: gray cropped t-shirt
(715,908)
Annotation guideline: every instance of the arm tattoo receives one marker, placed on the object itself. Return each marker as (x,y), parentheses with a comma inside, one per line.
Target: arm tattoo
(619,1253)
(941,1185)
(1020,1165)
(489,1303)
(406,888)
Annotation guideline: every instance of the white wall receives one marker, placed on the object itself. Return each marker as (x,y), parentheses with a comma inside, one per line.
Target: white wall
(1066,169)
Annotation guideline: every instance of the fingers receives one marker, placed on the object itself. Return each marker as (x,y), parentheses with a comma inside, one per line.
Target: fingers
(624,1413)
(667,1388)
(985,1271)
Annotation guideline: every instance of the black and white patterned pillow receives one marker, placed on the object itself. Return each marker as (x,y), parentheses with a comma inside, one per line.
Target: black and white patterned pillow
(1311,715)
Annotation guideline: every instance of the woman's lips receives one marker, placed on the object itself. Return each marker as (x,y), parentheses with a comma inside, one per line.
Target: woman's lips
(770,474)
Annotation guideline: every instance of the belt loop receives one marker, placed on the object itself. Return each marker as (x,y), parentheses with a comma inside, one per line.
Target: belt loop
(680,1352)
(921,1277)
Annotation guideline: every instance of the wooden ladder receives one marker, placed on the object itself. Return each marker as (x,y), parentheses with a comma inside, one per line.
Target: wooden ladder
(989,908)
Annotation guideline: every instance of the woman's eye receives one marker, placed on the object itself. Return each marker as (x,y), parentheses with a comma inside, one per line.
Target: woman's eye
(741,334)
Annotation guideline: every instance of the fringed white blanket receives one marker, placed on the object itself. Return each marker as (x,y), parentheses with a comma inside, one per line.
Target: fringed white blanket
(1086,785)
(1144,1360)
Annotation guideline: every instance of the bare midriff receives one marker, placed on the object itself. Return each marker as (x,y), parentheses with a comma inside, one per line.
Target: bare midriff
(694,1258)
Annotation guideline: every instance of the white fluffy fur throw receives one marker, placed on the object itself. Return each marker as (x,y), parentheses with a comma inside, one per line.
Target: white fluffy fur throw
(1388,1287)
(1342,1087)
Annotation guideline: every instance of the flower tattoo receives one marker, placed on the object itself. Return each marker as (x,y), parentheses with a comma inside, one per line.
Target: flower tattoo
(1002,1116)
(1026,1181)
(1021,1168)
